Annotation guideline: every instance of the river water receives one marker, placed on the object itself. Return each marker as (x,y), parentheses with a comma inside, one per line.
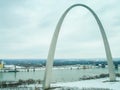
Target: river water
(59,75)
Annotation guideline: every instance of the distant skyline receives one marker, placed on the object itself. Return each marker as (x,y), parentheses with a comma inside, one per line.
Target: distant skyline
(27,26)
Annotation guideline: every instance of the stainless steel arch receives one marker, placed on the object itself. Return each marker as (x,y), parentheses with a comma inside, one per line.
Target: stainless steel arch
(49,64)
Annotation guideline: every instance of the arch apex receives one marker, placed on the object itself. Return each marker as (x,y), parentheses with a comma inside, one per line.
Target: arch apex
(50,58)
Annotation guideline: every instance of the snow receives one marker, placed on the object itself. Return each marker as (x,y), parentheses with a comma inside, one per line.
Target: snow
(12,66)
(96,83)
(93,84)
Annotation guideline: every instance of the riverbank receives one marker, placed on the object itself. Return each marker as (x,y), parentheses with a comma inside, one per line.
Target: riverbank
(93,84)
(31,83)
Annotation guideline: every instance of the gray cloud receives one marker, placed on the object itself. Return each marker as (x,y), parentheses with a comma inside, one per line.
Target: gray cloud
(27,26)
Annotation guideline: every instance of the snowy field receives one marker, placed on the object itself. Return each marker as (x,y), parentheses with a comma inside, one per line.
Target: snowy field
(96,84)
(93,84)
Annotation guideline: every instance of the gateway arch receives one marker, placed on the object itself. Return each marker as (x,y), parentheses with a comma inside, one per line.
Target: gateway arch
(50,58)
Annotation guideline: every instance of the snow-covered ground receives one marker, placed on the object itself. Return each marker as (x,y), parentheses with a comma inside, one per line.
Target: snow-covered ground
(95,83)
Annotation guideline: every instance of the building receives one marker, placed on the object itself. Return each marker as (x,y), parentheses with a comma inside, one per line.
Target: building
(1,64)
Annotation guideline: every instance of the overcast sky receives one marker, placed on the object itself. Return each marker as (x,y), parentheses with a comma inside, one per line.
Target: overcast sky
(27,26)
